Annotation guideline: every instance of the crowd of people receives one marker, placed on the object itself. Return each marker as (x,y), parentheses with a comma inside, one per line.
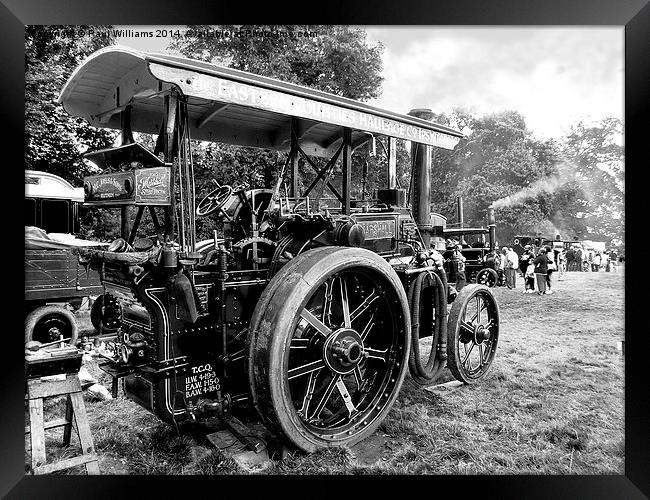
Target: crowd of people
(580,259)
(535,265)
(535,268)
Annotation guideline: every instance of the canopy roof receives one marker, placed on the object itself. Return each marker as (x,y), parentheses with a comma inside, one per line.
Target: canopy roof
(45,185)
(230,106)
(457,231)
(113,157)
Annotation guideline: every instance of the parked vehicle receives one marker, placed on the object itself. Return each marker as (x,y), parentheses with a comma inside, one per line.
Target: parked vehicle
(308,309)
(481,264)
(55,282)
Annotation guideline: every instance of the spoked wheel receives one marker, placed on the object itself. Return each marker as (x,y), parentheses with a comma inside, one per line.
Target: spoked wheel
(472,333)
(214,200)
(488,277)
(50,323)
(105,317)
(328,347)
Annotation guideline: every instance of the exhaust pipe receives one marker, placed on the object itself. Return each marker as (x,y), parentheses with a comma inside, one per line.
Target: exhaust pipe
(461,217)
(492,226)
(461,214)
(421,155)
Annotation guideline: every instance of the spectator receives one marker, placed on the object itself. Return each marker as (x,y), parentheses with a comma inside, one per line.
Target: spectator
(595,262)
(570,259)
(512,264)
(458,263)
(523,260)
(613,259)
(604,264)
(561,264)
(529,276)
(541,267)
(503,259)
(579,259)
(551,267)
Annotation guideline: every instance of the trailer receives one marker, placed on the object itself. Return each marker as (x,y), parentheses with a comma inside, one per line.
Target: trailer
(308,310)
(55,282)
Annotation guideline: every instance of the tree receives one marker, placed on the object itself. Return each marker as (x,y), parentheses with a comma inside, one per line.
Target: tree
(596,154)
(54,140)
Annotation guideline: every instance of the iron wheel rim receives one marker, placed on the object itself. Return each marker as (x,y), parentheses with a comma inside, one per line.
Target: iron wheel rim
(50,327)
(336,401)
(477,335)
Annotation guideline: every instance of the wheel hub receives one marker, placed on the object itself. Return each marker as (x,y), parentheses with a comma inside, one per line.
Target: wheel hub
(481,334)
(343,350)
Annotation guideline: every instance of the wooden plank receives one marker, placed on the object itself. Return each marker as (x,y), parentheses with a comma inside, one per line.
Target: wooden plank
(81,421)
(37,435)
(38,388)
(86,459)
(52,424)
(67,431)
(243,433)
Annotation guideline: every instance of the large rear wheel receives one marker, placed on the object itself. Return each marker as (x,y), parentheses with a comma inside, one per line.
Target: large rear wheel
(328,347)
(472,333)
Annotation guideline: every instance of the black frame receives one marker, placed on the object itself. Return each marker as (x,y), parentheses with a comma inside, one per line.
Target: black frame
(634,14)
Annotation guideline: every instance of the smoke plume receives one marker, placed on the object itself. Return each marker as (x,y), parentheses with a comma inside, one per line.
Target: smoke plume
(547,185)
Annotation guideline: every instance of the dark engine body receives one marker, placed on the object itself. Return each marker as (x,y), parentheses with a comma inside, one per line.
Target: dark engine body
(181,346)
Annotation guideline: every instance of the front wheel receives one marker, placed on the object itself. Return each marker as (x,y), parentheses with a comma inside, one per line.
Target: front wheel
(105,314)
(328,347)
(472,333)
(488,277)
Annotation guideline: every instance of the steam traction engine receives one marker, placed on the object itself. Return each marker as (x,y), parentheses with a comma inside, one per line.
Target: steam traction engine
(307,308)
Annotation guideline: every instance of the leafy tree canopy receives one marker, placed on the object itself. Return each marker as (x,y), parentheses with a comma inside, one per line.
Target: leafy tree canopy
(55,140)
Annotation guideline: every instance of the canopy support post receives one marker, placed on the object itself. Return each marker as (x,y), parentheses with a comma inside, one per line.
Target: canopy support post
(293,155)
(169,126)
(392,163)
(347,170)
(126,137)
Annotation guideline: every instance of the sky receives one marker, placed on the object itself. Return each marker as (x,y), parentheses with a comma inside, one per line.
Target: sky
(553,76)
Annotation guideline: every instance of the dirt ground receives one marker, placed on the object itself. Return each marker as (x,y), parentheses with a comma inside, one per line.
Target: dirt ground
(553,403)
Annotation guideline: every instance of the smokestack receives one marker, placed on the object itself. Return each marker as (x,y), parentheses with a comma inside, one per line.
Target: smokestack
(421,155)
(492,227)
(461,217)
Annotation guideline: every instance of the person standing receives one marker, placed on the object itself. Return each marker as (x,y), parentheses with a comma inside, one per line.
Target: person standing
(613,257)
(605,262)
(512,264)
(541,268)
(561,265)
(529,276)
(570,259)
(458,263)
(579,258)
(503,263)
(595,262)
(551,267)
(523,260)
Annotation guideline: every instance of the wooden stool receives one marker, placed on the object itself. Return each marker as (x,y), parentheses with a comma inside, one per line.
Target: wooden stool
(37,390)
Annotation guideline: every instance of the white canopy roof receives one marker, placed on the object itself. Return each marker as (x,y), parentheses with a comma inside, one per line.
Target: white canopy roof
(46,185)
(230,106)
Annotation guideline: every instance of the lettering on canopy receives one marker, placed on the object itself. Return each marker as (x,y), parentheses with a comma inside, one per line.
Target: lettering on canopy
(219,89)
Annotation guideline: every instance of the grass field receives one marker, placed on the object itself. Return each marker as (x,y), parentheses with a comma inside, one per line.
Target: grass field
(553,403)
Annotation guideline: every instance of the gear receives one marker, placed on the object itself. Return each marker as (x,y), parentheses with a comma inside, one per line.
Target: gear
(265,249)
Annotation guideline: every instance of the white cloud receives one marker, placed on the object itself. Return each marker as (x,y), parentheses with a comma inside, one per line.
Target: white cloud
(553,76)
